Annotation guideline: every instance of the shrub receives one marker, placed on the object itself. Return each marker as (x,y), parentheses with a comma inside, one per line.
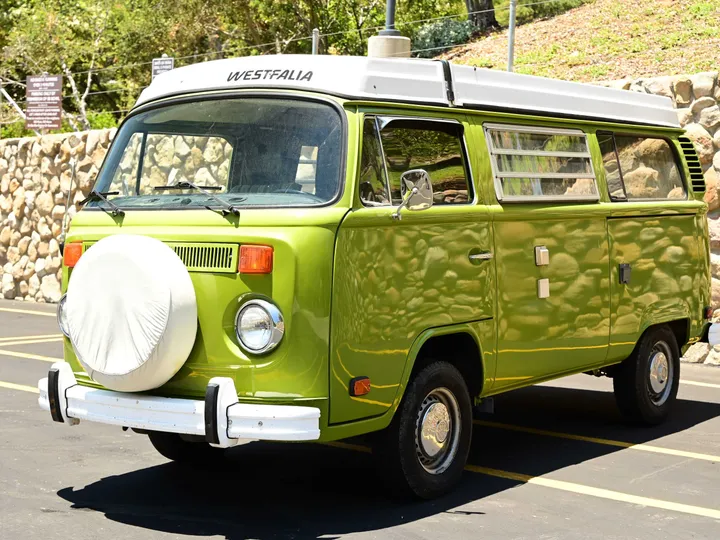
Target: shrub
(433,37)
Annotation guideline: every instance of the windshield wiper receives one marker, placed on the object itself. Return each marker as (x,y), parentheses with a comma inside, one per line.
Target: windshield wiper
(102,196)
(227,207)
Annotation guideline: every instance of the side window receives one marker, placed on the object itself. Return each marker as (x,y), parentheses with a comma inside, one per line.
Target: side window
(373,188)
(539,163)
(435,147)
(640,168)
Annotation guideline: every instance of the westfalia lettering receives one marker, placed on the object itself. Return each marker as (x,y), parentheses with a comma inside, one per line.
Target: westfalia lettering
(270,74)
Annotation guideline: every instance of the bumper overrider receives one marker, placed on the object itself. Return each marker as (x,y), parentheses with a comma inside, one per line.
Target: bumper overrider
(220,418)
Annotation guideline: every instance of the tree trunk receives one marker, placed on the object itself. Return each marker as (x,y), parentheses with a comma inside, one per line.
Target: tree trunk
(482,14)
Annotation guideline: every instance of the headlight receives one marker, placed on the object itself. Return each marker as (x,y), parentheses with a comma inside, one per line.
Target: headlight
(62,316)
(259,326)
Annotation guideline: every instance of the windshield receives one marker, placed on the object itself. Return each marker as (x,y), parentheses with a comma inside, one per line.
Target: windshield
(245,151)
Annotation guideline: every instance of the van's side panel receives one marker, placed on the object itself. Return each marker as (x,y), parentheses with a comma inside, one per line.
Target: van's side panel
(667,270)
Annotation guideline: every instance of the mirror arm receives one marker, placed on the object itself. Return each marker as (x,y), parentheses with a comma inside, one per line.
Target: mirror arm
(396,215)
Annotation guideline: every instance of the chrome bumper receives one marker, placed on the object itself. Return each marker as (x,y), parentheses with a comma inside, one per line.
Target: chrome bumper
(219,418)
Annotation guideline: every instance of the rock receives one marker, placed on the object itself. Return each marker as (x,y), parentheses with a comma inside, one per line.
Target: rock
(53,247)
(32,251)
(40,267)
(214,150)
(93,139)
(715,289)
(15,238)
(661,86)
(716,140)
(52,265)
(33,285)
(682,88)
(43,249)
(685,116)
(22,288)
(50,289)
(44,203)
(702,103)
(703,142)
(58,212)
(713,358)
(715,265)
(164,152)
(5,235)
(7,287)
(712,183)
(50,145)
(703,84)
(696,353)
(23,245)
(709,117)
(642,183)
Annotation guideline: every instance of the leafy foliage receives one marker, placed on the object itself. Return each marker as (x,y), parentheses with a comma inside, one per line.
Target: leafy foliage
(432,38)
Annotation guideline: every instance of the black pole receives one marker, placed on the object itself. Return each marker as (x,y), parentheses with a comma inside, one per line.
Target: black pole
(390,20)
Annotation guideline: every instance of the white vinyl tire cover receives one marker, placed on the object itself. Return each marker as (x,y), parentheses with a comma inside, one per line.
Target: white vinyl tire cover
(131,312)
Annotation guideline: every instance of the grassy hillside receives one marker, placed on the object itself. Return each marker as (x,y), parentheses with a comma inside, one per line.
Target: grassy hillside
(609,39)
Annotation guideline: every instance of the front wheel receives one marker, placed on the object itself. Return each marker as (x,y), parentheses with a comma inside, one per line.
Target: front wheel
(646,383)
(424,450)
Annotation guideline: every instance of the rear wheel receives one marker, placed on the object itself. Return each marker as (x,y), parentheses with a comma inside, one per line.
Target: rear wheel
(424,450)
(646,383)
(175,448)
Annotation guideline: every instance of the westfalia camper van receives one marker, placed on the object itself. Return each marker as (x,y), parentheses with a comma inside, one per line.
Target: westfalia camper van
(310,248)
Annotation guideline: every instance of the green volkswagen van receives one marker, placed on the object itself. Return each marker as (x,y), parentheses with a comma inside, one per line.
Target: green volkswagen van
(310,248)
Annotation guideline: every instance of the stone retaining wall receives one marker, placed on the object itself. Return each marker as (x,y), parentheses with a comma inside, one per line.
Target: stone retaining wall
(35,178)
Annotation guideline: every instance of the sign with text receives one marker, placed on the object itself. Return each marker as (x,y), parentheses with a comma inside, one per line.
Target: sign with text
(161,65)
(44,102)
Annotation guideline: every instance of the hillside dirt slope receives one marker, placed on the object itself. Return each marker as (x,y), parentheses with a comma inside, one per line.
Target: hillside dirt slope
(609,39)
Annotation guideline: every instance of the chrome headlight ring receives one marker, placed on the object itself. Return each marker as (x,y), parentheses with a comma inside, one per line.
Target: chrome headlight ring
(62,316)
(259,315)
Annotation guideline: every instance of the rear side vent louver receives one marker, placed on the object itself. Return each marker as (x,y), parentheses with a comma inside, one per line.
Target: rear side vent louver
(697,180)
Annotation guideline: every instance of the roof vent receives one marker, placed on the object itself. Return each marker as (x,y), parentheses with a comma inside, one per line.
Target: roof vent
(697,180)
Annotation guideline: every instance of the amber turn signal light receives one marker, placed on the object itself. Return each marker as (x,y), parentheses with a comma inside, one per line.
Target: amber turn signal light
(72,253)
(359,386)
(256,259)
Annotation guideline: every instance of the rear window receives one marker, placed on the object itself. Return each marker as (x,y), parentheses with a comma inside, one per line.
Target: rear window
(532,163)
(640,168)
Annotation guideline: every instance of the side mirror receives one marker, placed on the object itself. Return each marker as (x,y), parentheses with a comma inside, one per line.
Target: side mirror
(416,191)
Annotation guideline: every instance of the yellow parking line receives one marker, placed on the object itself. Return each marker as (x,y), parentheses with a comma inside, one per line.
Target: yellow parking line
(697,383)
(572,487)
(31,341)
(29,312)
(22,387)
(608,442)
(3,352)
(39,336)
(597,492)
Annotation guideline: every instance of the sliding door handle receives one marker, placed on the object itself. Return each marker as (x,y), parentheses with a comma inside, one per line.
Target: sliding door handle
(479,257)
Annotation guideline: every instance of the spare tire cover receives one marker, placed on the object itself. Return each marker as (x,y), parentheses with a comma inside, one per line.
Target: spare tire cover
(131,312)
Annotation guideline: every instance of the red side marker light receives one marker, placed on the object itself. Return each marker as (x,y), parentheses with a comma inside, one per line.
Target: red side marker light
(359,386)
(256,259)
(72,253)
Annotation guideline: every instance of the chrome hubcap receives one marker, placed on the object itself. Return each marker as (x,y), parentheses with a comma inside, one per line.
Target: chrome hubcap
(437,430)
(660,373)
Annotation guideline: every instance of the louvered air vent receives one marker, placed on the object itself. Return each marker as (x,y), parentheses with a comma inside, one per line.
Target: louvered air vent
(697,180)
(198,257)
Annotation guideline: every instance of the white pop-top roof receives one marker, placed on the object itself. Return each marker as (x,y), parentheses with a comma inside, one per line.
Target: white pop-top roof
(417,81)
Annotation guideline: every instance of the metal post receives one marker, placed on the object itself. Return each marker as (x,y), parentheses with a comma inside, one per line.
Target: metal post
(511,36)
(390,29)
(315,40)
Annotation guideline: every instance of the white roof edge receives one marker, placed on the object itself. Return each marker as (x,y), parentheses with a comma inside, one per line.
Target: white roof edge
(416,81)
(479,88)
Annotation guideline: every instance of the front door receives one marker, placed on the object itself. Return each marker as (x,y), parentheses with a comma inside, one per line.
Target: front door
(395,278)
(551,252)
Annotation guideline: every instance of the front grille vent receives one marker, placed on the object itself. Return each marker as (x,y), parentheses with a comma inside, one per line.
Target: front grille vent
(207,257)
(697,180)
(199,257)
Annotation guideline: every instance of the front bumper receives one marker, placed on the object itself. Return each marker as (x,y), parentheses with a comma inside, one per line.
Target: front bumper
(220,418)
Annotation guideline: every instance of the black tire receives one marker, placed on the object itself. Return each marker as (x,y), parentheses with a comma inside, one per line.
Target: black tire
(407,467)
(637,391)
(173,447)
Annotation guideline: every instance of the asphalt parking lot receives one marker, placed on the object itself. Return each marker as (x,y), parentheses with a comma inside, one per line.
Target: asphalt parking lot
(554,461)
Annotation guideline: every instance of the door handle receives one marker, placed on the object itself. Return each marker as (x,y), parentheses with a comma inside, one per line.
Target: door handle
(478,257)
